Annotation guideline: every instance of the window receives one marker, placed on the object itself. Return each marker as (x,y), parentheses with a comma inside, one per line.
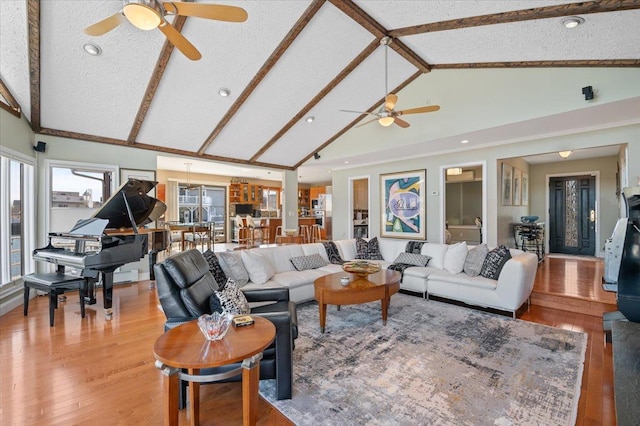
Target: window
(202,204)
(74,187)
(17,221)
(269,199)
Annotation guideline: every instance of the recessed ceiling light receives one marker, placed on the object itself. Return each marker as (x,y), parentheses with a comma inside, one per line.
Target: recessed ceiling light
(346,162)
(224,92)
(572,21)
(92,49)
(310,119)
(464,141)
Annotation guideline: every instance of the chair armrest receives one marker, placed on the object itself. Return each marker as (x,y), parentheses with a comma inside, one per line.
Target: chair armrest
(267,294)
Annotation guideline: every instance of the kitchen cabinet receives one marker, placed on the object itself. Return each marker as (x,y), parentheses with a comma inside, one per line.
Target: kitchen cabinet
(304,199)
(245,193)
(315,192)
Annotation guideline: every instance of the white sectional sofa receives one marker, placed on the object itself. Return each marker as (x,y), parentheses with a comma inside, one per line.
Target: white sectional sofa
(512,288)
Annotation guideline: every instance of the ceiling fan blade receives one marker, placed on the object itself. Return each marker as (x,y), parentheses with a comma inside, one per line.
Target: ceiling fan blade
(179,41)
(419,110)
(366,122)
(390,101)
(358,112)
(209,11)
(400,122)
(104,26)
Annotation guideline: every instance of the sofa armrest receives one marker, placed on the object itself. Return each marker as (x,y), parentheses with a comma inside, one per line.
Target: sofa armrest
(267,294)
(516,279)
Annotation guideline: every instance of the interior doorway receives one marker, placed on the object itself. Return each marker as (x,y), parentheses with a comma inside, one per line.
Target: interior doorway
(463,204)
(360,207)
(572,215)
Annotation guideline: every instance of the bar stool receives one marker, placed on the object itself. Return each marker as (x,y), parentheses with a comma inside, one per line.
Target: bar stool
(279,235)
(316,235)
(305,233)
(244,234)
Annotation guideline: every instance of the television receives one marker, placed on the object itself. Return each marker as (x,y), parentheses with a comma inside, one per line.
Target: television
(244,209)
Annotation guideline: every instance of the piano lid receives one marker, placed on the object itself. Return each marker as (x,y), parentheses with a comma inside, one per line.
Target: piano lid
(144,208)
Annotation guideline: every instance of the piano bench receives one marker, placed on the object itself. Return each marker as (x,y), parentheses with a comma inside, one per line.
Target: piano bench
(54,284)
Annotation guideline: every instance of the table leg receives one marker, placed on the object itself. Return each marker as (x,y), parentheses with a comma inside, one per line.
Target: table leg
(171,384)
(385,308)
(323,314)
(250,380)
(194,398)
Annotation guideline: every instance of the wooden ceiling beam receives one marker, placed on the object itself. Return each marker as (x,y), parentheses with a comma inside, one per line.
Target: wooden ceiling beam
(8,96)
(33,29)
(155,148)
(313,102)
(10,110)
(288,40)
(546,12)
(348,127)
(374,27)
(601,63)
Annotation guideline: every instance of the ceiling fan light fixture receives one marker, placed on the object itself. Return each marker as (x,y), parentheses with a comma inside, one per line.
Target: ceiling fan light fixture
(143,16)
(572,21)
(386,121)
(454,171)
(564,154)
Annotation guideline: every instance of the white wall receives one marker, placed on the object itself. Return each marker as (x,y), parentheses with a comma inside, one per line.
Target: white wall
(16,134)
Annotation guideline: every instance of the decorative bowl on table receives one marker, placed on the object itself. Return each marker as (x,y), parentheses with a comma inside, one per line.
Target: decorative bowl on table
(529,219)
(215,326)
(361,267)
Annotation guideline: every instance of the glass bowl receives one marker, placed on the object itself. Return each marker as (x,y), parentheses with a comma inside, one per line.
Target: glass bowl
(215,326)
(529,219)
(361,267)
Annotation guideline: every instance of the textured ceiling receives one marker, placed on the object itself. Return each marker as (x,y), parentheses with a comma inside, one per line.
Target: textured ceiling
(295,59)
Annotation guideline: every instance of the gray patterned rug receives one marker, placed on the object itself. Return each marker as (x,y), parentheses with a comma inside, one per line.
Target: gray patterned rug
(433,364)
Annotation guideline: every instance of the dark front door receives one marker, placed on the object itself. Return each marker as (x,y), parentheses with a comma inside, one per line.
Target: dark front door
(572,216)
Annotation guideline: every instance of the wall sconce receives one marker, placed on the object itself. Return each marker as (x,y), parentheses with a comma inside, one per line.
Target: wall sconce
(564,154)
(454,171)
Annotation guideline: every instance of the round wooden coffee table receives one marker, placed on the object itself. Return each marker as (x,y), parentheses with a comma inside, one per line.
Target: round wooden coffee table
(185,347)
(329,290)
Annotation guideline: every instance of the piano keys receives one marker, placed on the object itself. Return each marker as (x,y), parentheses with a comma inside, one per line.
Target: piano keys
(97,252)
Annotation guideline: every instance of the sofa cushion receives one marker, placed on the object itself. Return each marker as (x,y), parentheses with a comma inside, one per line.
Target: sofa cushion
(455,257)
(196,296)
(312,261)
(232,265)
(475,259)
(423,272)
(279,256)
(494,262)
(368,250)
(293,279)
(463,279)
(230,299)
(259,269)
(215,268)
(437,253)
(347,249)
(412,259)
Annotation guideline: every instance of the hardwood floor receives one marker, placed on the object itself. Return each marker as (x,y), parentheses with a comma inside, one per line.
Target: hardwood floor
(90,370)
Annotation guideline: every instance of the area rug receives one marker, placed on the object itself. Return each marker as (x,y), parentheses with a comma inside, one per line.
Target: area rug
(432,364)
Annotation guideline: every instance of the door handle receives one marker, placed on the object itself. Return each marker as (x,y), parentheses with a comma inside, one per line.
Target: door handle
(592,216)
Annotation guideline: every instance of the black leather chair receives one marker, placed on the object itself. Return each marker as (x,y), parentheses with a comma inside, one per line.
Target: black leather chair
(190,270)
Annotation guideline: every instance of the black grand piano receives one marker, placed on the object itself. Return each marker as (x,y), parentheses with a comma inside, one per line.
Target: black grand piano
(109,239)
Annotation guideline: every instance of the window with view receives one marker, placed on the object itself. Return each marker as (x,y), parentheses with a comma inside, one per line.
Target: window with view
(202,204)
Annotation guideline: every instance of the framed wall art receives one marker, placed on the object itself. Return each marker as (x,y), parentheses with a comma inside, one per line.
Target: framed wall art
(507,182)
(525,188)
(403,205)
(517,186)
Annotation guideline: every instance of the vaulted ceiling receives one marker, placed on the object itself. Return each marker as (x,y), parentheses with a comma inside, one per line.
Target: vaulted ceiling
(289,61)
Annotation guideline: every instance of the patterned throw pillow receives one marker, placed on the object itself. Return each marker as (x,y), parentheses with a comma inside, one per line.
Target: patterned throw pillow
(231,300)
(494,262)
(215,268)
(412,259)
(368,250)
(475,259)
(312,261)
(332,253)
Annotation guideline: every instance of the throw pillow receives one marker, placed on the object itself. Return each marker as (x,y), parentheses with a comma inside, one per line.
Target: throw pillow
(414,247)
(455,257)
(196,296)
(475,259)
(312,261)
(368,250)
(215,268)
(259,269)
(232,265)
(412,259)
(332,253)
(494,262)
(230,300)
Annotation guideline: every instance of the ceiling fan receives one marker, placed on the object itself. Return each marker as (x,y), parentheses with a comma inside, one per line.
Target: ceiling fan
(150,14)
(387,115)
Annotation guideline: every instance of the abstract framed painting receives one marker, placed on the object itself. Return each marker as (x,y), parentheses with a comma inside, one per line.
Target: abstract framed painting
(507,182)
(525,189)
(403,205)
(517,186)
